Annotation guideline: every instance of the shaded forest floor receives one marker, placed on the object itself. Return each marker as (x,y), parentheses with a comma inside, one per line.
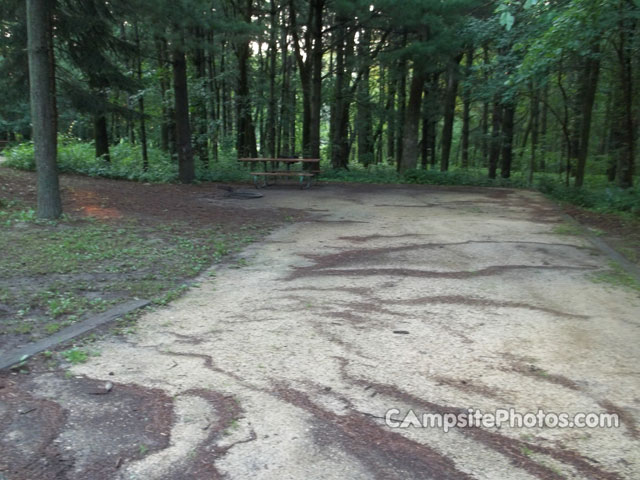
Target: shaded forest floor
(118,241)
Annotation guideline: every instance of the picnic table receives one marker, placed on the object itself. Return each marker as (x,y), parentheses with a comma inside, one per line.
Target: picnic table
(271,170)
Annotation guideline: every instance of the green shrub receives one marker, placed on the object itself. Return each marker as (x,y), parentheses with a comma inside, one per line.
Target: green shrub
(78,157)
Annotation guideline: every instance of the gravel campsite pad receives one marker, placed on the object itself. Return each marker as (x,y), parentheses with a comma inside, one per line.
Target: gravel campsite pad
(435,300)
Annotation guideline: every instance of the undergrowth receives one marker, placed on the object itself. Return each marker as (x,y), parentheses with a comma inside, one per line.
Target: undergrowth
(78,157)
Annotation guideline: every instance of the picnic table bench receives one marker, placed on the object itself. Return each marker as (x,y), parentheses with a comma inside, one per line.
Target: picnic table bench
(271,170)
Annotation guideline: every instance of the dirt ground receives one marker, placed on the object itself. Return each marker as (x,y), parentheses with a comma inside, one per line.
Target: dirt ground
(435,300)
(118,241)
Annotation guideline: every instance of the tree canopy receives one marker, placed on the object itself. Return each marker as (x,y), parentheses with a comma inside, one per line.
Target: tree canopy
(505,86)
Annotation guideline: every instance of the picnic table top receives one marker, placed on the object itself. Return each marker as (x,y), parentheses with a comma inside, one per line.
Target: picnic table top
(284,160)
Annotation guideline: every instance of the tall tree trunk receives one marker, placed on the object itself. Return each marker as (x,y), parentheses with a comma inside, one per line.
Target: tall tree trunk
(225,96)
(258,107)
(167,120)
(341,104)
(382,99)
(425,141)
(391,116)
(485,109)
(626,121)
(43,105)
(293,118)
(544,118)
(535,127)
(143,127)
(270,142)
(402,103)
(316,79)
(589,82)
(466,109)
(496,134)
(213,98)
(449,112)
(246,135)
(285,107)
(430,117)
(305,69)
(411,124)
(186,167)
(434,118)
(507,139)
(364,126)
(608,137)
(101,137)
(200,116)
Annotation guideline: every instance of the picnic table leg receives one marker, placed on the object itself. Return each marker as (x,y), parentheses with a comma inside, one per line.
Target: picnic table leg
(256,182)
(305,182)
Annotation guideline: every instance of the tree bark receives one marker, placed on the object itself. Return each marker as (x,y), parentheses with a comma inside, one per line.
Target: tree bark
(286,111)
(213,101)
(543,128)
(425,141)
(143,127)
(626,131)
(449,112)
(186,167)
(310,69)
(494,150)
(466,109)
(43,106)
(200,116)
(101,137)
(341,104)
(402,103)
(589,81)
(507,139)
(485,109)
(167,122)
(246,135)
(316,80)
(270,142)
(409,157)
(391,116)
(535,127)
(364,126)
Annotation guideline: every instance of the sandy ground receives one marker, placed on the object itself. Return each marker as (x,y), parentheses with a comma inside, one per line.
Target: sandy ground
(434,300)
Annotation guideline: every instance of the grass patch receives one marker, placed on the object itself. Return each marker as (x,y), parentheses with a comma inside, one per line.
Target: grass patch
(567,229)
(75,356)
(54,273)
(630,252)
(617,277)
(527,452)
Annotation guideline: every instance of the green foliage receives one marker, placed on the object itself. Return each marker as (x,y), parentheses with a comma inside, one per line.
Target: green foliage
(567,229)
(383,173)
(75,356)
(617,277)
(79,157)
(602,198)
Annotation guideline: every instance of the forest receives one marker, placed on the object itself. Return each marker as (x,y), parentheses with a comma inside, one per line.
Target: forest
(525,92)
